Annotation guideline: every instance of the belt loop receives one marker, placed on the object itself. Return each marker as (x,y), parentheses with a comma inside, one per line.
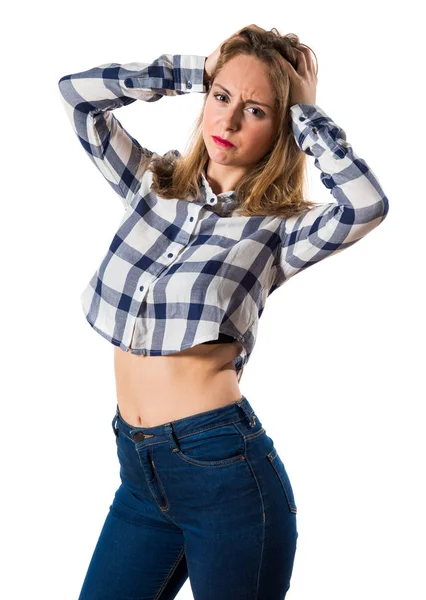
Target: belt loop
(115,419)
(251,417)
(169,431)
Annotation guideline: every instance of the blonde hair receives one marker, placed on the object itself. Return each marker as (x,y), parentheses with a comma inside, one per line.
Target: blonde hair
(275,185)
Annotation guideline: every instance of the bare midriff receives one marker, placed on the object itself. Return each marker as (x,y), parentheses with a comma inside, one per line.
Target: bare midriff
(153,390)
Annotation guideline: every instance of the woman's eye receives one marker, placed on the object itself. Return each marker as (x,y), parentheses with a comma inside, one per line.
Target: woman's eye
(259,112)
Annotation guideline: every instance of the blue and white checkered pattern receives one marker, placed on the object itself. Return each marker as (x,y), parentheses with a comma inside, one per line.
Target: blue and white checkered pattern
(178,272)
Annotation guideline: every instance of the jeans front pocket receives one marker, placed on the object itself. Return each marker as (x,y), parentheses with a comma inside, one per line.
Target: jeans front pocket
(212,447)
(281,471)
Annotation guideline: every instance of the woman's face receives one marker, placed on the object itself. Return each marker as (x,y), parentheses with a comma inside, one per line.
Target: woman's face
(244,114)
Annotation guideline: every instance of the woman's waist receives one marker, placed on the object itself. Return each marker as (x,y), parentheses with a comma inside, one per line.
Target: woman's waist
(152,390)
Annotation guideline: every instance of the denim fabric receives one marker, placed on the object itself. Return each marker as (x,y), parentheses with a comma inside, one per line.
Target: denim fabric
(206,496)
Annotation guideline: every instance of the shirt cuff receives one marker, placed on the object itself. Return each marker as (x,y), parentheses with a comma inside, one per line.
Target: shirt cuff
(315,131)
(188,71)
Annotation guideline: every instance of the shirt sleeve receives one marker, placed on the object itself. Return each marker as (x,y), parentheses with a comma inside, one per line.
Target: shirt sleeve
(90,97)
(327,229)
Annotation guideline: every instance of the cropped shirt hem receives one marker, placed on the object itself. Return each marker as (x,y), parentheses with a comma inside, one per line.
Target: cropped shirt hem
(238,361)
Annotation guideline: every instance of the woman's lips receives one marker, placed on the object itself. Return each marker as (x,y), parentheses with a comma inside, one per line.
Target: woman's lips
(224,143)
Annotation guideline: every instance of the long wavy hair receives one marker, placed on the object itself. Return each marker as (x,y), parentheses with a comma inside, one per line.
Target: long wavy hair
(275,185)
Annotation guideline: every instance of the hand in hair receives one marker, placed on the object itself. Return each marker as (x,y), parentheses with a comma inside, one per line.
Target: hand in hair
(211,60)
(303,79)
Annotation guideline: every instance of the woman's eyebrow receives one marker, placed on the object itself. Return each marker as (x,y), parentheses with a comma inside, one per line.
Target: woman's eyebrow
(247,101)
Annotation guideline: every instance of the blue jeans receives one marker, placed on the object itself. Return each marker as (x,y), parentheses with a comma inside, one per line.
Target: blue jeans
(206,496)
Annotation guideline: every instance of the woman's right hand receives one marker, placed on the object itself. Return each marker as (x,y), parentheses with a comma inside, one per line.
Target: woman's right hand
(210,62)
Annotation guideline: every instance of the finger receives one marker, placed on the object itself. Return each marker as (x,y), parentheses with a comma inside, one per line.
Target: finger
(307,54)
(288,67)
(301,62)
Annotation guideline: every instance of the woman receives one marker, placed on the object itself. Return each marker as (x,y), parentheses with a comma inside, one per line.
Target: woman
(204,239)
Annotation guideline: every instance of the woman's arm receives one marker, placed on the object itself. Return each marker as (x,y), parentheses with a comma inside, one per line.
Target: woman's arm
(90,97)
(361,203)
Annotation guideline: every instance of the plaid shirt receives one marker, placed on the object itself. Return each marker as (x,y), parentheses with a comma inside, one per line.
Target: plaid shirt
(177,273)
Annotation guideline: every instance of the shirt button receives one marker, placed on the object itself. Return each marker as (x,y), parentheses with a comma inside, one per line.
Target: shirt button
(302,118)
(189,84)
(170,255)
(211,199)
(141,288)
(191,218)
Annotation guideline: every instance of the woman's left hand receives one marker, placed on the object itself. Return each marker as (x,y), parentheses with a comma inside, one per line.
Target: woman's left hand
(304,80)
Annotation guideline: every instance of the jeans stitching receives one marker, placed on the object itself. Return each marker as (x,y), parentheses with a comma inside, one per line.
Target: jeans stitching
(172,570)
(166,507)
(206,465)
(254,435)
(263,522)
(292,507)
(186,435)
(210,464)
(209,428)
(163,509)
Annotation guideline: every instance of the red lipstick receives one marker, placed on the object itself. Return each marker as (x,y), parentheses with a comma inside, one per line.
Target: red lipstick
(221,142)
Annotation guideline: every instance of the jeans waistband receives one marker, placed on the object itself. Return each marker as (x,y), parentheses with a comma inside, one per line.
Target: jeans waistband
(240,409)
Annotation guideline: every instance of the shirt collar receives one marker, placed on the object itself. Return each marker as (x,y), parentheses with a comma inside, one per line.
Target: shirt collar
(224,203)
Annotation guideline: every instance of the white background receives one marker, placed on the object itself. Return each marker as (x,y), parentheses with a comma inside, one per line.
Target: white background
(337,374)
